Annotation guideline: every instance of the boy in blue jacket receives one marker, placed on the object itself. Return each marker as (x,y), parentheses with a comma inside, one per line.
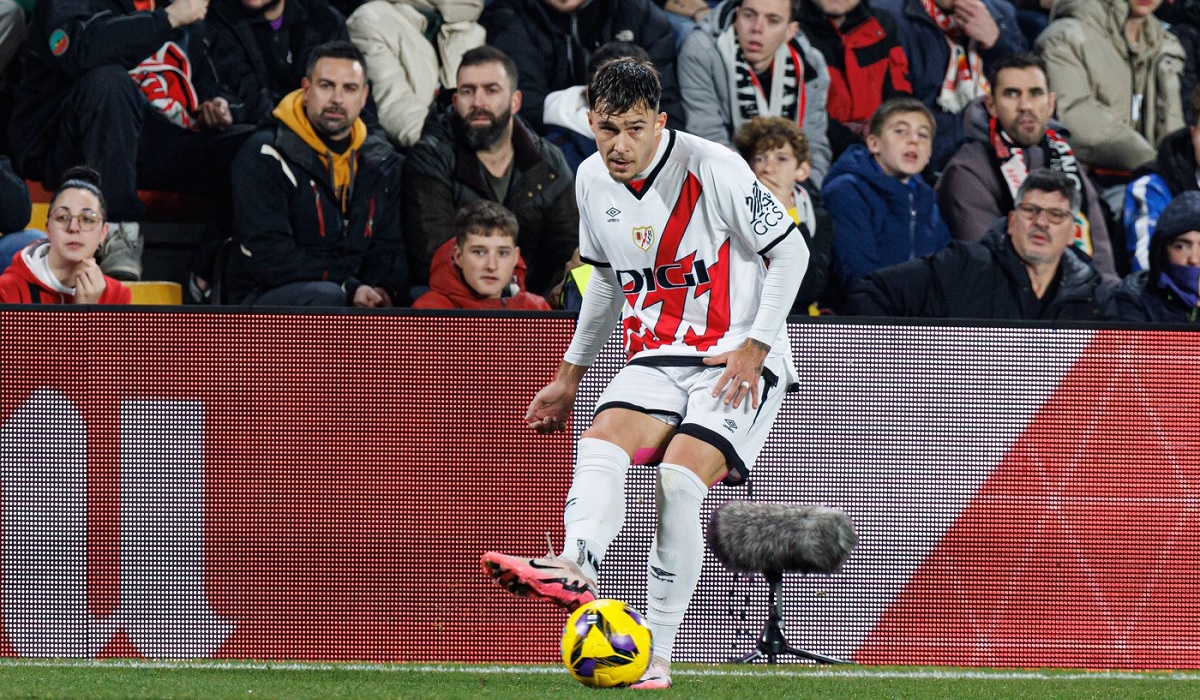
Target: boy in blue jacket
(884,213)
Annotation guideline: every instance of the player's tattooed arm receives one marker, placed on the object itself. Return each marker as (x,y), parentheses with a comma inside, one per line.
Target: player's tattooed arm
(763,349)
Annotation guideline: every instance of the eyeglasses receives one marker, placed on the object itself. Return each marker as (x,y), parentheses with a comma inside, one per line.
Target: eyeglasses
(88,219)
(1031,212)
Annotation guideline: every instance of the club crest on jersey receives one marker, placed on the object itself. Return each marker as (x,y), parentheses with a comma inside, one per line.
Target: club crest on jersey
(764,210)
(643,236)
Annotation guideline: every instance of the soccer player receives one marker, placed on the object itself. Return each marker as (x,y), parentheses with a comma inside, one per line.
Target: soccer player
(678,229)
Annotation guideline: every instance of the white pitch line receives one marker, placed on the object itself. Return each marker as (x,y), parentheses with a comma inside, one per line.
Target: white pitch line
(805,672)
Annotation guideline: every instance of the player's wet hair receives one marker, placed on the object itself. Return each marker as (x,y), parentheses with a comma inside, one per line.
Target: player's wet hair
(623,84)
(483,217)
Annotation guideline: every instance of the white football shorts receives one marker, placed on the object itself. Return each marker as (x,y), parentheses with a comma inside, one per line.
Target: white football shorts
(681,395)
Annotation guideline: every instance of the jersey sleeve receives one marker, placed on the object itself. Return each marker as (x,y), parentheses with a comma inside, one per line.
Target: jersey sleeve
(748,208)
(589,247)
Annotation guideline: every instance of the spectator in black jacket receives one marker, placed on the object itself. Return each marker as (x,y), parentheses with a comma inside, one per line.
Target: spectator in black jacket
(77,104)
(1026,268)
(552,40)
(315,198)
(479,149)
(259,49)
(1169,291)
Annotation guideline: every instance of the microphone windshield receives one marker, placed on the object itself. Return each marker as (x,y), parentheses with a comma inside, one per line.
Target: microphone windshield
(772,538)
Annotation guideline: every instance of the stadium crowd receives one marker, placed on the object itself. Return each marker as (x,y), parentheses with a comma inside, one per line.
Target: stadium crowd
(1021,159)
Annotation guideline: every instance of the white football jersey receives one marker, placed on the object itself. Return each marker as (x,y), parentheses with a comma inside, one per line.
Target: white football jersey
(686,246)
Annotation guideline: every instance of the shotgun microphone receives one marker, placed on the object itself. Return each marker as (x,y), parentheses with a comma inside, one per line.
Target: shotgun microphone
(773,538)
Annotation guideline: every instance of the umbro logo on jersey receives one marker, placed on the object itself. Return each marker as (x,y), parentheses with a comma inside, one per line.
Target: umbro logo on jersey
(643,236)
(613,211)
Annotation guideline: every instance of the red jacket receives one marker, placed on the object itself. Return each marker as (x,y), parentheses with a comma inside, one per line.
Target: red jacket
(18,285)
(448,290)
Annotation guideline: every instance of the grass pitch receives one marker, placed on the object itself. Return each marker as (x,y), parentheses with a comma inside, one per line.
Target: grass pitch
(210,680)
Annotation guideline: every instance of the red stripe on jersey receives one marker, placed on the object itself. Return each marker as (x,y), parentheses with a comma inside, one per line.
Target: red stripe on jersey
(717,289)
(673,299)
(637,185)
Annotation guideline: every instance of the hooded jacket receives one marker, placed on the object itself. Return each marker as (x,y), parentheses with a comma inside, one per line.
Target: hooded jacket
(551,49)
(703,78)
(448,289)
(442,174)
(1141,297)
(19,284)
(987,281)
(1173,171)
(303,214)
(1097,74)
(878,220)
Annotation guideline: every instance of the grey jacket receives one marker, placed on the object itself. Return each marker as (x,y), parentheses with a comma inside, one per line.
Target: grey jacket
(708,105)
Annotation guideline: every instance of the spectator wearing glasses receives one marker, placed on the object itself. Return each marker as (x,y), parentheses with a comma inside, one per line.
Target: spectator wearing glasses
(1025,268)
(63,268)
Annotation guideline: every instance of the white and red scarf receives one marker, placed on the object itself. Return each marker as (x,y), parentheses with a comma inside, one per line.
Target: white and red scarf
(1014,169)
(964,80)
(165,78)
(788,92)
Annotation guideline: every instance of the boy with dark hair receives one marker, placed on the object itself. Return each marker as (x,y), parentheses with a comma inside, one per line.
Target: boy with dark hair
(883,211)
(481,267)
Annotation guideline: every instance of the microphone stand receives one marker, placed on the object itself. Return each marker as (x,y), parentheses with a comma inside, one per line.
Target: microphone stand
(772,644)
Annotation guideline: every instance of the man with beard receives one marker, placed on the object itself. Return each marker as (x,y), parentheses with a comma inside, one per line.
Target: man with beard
(479,149)
(316,221)
(979,182)
(1024,269)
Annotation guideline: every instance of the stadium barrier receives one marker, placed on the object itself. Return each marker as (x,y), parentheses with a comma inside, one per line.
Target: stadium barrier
(214,483)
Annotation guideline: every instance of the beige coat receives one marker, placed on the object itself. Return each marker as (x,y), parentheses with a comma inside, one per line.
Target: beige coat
(1096,74)
(405,69)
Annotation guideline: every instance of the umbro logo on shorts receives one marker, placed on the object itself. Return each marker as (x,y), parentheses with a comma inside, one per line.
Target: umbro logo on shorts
(730,426)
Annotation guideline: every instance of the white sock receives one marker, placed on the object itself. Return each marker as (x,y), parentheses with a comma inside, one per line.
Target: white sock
(676,555)
(595,507)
